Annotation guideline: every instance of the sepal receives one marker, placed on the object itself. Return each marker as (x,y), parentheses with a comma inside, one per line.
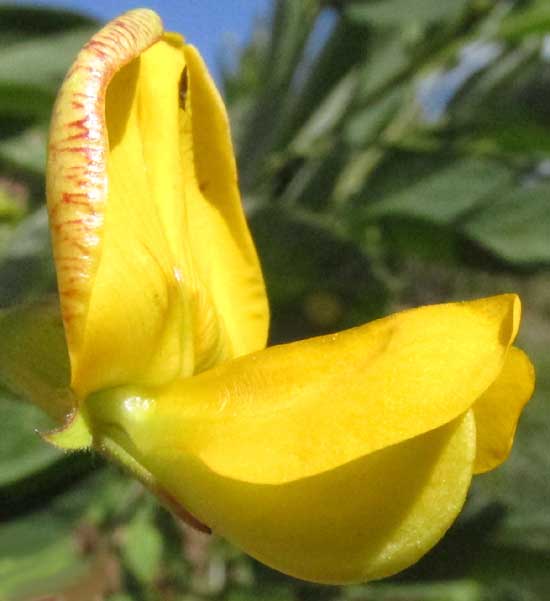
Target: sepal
(74,435)
(34,363)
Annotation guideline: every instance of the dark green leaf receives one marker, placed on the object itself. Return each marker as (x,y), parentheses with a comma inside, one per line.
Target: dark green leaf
(330,82)
(42,61)
(403,12)
(318,281)
(27,102)
(445,194)
(58,545)
(26,21)
(516,225)
(364,125)
(322,122)
(26,150)
(143,546)
(292,24)
(386,58)
(26,269)
(534,18)
(37,556)
(463,590)
(34,361)
(22,451)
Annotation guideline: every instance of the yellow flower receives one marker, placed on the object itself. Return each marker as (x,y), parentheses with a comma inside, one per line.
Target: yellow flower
(336,459)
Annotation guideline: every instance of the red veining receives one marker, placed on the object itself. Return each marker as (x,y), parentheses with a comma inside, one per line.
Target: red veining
(77,159)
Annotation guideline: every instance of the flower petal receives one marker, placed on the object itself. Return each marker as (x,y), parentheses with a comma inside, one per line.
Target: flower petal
(134,212)
(77,183)
(365,520)
(139,297)
(301,409)
(229,268)
(498,409)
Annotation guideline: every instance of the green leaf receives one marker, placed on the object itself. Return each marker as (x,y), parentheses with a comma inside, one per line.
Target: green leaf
(13,201)
(364,125)
(499,95)
(318,280)
(22,451)
(28,21)
(515,575)
(461,590)
(143,546)
(446,193)
(26,150)
(308,140)
(37,556)
(34,361)
(414,238)
(46,551)
(522,137)
(516,225)
(312,182)
(42,61)
(330,82)
(292,24)
(386,59)
(533,18)
(26,269)
(404,12)
(25,102)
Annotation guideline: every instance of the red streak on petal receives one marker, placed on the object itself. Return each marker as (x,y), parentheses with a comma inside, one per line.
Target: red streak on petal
(77,161)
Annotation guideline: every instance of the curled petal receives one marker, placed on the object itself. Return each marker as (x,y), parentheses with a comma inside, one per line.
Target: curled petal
(77,184)
(133,206)
(498,409)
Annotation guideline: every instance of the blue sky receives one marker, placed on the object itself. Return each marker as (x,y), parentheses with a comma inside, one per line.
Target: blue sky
(214,26)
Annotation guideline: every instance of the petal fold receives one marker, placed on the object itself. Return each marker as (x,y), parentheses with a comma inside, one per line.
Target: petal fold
(498,409)
(364,520)
(229,268)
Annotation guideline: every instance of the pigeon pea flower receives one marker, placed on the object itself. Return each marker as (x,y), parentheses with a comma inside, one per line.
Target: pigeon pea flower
(336,459)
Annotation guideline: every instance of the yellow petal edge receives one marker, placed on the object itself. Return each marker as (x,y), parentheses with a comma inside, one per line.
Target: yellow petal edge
(498,409)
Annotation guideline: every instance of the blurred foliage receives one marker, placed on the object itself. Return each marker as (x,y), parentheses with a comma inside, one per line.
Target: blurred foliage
(391,153)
